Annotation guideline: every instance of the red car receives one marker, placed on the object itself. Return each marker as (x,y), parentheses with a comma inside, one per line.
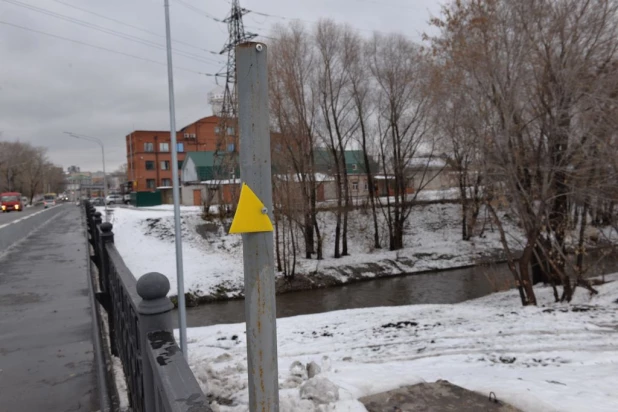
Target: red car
(11,201)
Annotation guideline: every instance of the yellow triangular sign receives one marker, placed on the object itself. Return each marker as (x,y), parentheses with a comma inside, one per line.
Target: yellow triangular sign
(250,216)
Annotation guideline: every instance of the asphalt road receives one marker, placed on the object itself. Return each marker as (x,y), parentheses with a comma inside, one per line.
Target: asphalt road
(11,216)
(46,358)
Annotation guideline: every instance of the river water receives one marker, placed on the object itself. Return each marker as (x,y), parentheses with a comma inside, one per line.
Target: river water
(448,286)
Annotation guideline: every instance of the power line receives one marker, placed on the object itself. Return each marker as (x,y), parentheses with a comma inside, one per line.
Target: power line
(199,11)
(112,32)
(104,48)
(270,15)
(276,16)
(134,27)
(381,3)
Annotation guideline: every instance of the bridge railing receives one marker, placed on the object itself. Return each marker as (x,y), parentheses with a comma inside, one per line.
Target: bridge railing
(140,328)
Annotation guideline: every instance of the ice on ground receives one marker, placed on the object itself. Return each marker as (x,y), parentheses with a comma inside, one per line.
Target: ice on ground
(554,357)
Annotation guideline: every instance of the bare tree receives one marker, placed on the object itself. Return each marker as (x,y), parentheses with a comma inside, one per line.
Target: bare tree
(456,122)
(532,67)
(35,172)
(26,169)
(404,127)
(364,105)
(336,47)
(293,108)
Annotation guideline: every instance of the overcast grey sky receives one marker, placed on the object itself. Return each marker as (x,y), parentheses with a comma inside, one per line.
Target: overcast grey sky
(49,85)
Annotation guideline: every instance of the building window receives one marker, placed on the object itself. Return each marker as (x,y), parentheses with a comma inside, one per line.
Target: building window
(230,147)
(166,182)
(217,129)
(150,165)
(148,147)
(355,186)
(164,147)
(354,166)
(366,187)
(230,131)
(165,165)
(180,147)
(150,183)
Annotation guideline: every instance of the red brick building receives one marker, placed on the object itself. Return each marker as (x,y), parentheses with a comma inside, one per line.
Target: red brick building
(149,153)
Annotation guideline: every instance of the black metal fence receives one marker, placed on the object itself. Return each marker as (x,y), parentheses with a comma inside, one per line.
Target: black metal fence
(140,328)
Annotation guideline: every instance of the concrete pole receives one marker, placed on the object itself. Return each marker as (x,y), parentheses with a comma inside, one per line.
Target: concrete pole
(182,315)
(258,257)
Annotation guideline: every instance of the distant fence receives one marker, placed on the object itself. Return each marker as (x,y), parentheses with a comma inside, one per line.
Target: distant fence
(140,328)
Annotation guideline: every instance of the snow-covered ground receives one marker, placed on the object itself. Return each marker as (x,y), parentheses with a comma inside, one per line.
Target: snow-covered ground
(213,259)
(555,357)
(145,239)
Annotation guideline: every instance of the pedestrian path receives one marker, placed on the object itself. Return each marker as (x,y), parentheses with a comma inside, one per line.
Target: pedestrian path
(46,354)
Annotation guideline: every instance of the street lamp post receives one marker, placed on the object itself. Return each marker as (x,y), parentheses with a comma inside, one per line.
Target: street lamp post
(100,143)
(182,316)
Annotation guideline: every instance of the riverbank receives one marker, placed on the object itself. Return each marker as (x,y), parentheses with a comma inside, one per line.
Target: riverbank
(213,269)
(554,357)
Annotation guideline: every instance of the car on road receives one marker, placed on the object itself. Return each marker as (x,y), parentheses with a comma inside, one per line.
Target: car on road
(113,199)
(49,200)
(127,198)
(10,201)
(25,201)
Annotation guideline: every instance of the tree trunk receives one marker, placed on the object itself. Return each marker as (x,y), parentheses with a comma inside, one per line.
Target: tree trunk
(337,253)
(308,235)
(293,243)
(277,243)
(284,247)
(580,242)
(524,263)
(370,183)
(539,265)
(465,235)
(522,289)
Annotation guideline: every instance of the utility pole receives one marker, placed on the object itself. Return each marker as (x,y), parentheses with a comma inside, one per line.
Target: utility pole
(227,139)
(258,256)
(182,315)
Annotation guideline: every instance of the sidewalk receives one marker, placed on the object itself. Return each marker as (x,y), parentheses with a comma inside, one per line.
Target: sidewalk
(46,355)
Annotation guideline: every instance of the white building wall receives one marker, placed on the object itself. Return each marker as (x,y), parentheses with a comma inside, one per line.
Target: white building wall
(189,173)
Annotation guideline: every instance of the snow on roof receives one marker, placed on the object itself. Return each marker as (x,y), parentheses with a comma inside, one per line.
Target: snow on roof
(221,182)
(430,162)
(319,177)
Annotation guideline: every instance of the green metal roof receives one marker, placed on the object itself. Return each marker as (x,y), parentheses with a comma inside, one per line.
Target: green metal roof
(201,159)
(210,165)
(324,159)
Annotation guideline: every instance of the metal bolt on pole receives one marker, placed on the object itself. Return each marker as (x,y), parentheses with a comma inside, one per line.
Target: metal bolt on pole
(182,315)
(258,257)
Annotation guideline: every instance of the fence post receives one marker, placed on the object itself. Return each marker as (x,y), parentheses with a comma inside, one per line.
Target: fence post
(96,241)
(89,220)
(155,314)
(107,236)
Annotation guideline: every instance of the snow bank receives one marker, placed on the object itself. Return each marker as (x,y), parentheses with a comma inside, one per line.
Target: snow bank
(213,259)
(145,239)
(555,357)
